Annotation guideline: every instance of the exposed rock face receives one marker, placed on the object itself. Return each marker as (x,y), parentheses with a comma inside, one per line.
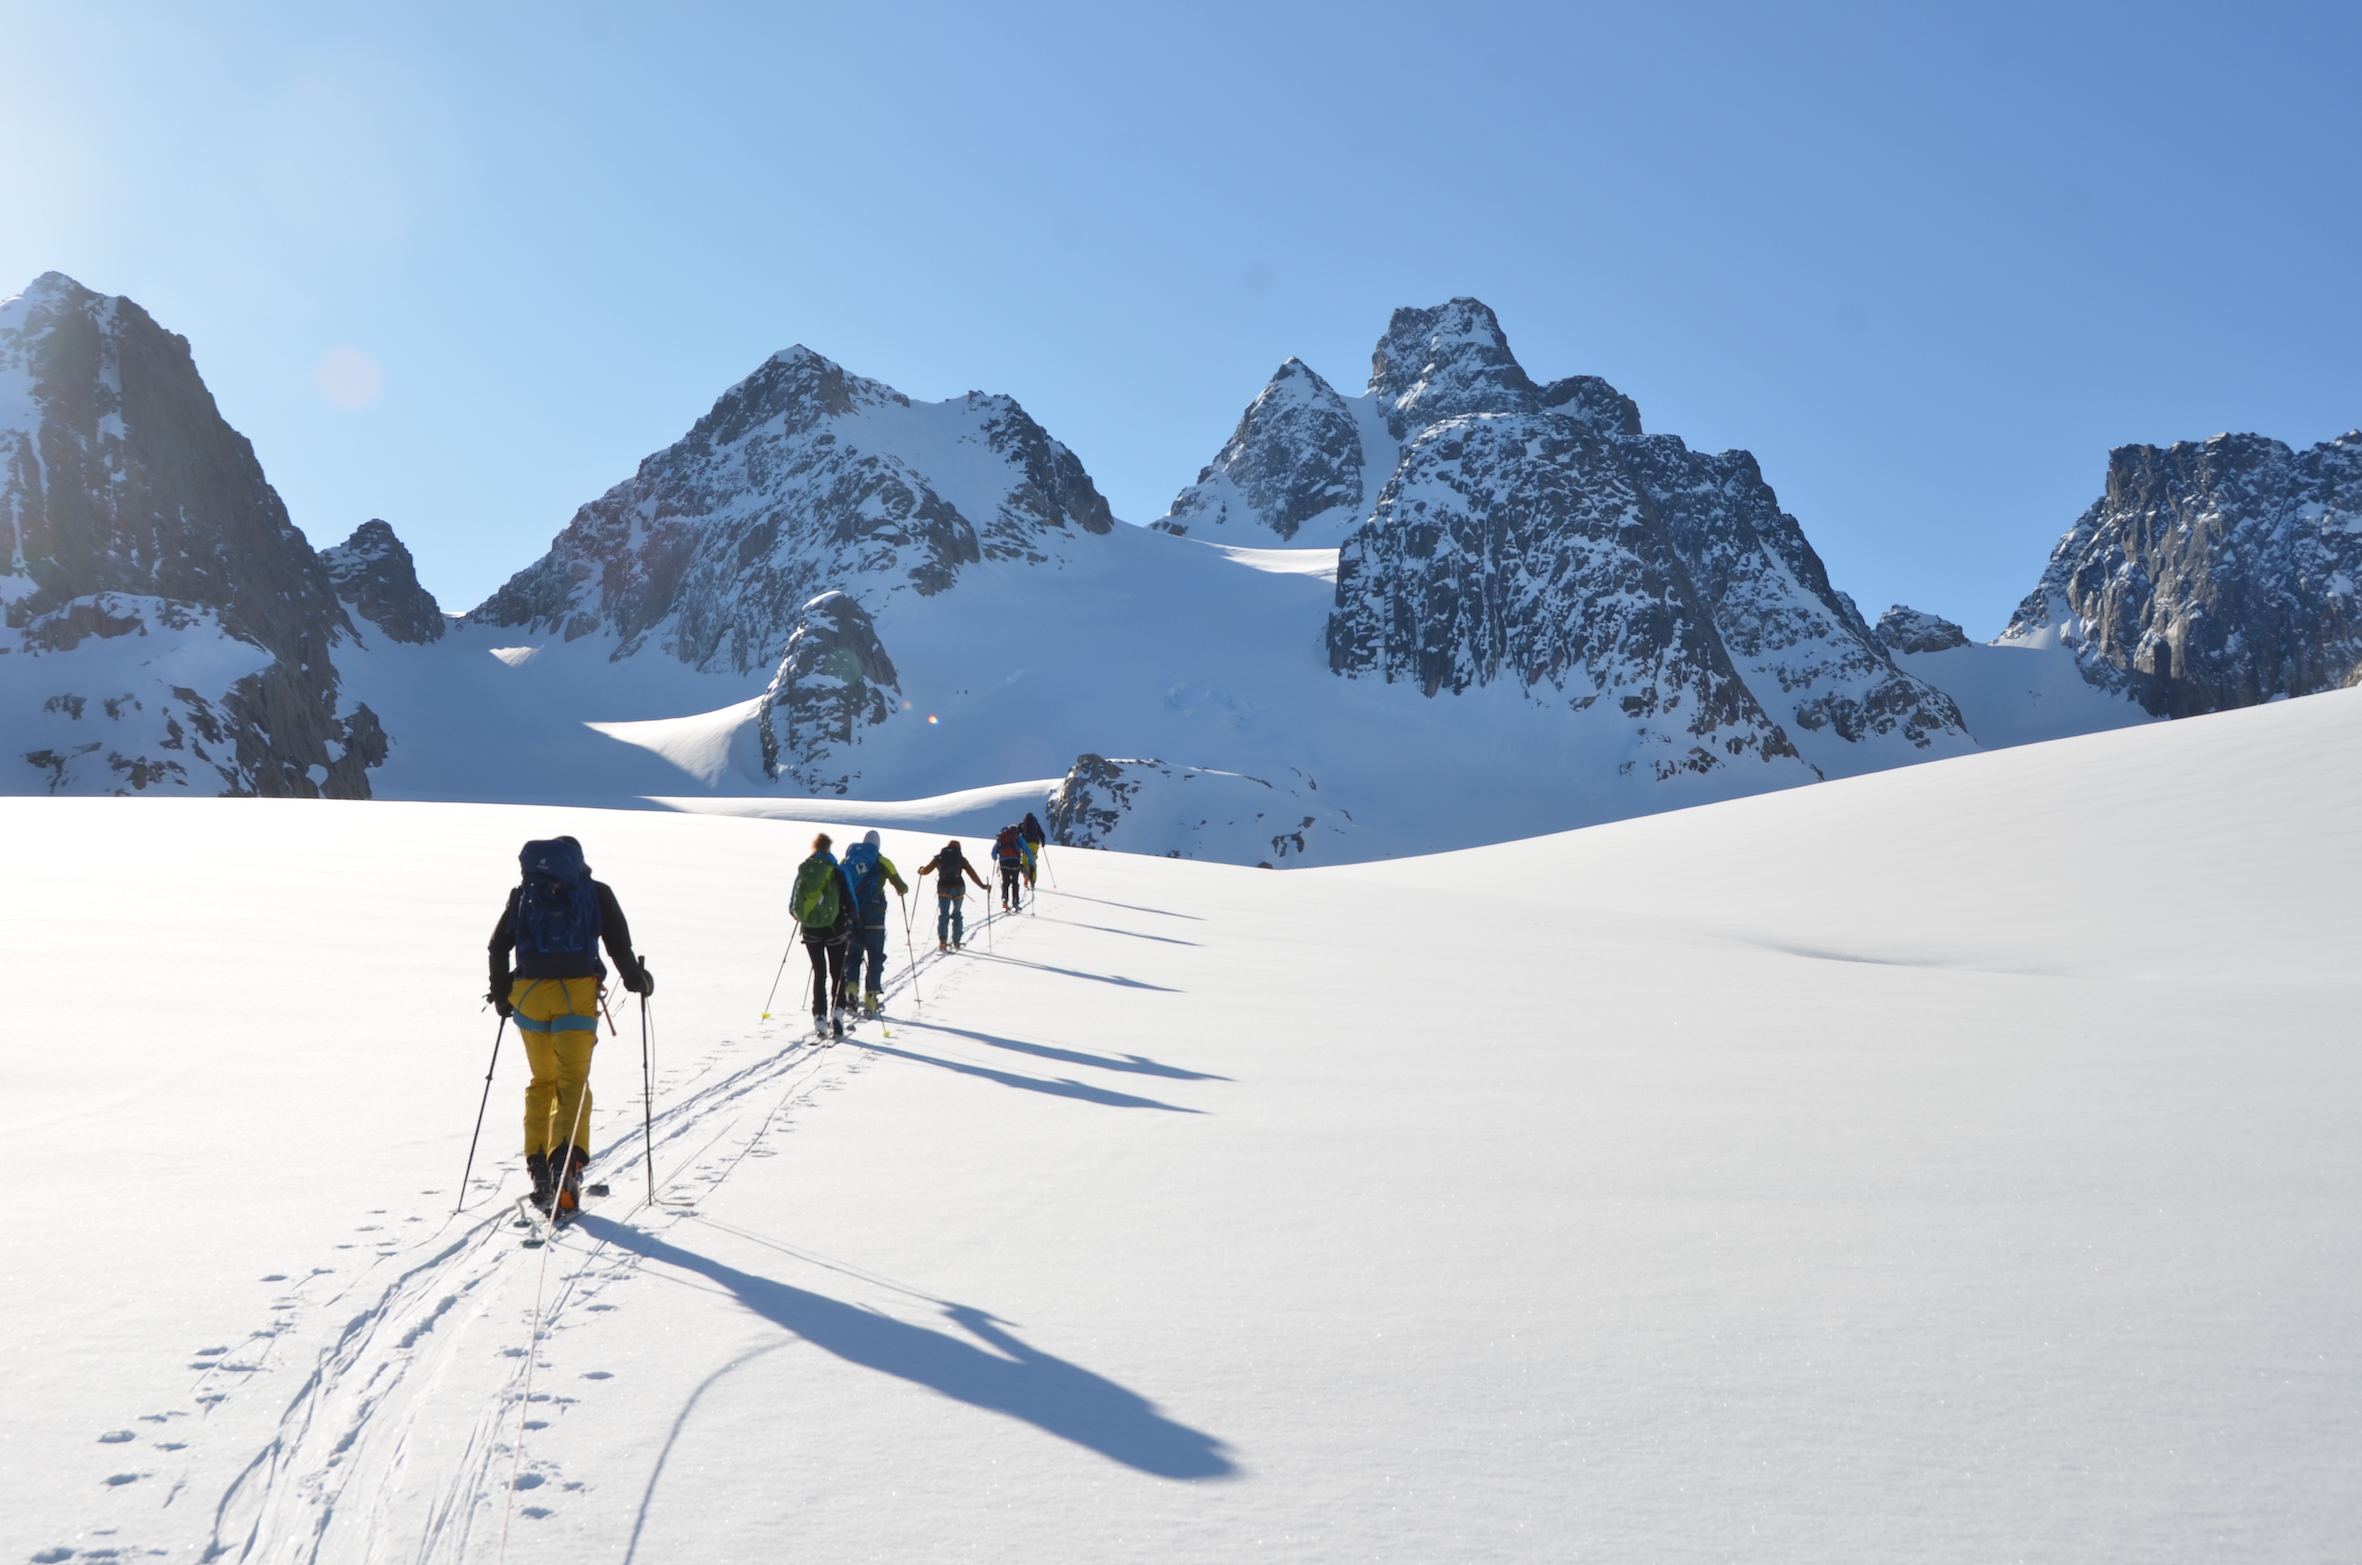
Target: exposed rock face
(1192,812)
(1515,547)
(1296,456)
(802,478)
(130,509)
(1902,629)
(2211,575)
(834,681)
(1800,644)
(375,575)
(1533,532)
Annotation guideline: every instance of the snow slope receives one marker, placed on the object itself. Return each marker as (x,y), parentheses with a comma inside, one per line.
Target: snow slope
(1916,1166)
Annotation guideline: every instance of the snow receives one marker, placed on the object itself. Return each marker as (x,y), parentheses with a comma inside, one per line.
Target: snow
(1953,1164)
(2022,690)
(1137,643)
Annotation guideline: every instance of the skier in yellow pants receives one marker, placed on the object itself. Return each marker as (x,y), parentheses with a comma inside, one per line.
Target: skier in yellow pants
(556,919)
(558,1019)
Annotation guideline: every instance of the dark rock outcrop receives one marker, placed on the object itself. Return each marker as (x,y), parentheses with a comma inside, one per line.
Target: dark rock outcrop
(1193,812)
(835,680)
(1517,547)
(2212,574)
(801,478)
(1296,455)
(373,573)
(120,477)
(1904,629)
(1534,532)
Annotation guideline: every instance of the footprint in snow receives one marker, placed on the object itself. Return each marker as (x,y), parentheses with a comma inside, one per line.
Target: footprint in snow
(537,1512)
(276,1277)
(206,1353)
(115,1437)
(596,1374)
(122,1478)
(528,1481)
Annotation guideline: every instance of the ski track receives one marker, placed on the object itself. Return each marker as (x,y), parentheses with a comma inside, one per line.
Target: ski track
(376,1445)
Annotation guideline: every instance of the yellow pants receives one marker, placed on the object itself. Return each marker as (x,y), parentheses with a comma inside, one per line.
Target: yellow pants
(558,1098)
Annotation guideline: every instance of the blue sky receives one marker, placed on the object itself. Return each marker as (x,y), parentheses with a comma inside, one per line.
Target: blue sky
(1928,264)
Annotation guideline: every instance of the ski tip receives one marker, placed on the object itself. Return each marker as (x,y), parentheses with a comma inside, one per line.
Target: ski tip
(594,1189)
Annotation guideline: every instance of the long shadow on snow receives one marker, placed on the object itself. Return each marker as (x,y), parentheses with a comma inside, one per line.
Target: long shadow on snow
(1060,1088)
(1022,1382)
(1137,1063)
(1135,934)
(1067,972)
(1126,906)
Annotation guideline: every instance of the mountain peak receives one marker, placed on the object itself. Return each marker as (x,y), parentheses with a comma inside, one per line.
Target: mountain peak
(1446,361)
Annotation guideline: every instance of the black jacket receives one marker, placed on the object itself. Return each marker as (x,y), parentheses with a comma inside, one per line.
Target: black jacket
(568,964)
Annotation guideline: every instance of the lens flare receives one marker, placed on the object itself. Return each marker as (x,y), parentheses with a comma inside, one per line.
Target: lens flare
(349,378)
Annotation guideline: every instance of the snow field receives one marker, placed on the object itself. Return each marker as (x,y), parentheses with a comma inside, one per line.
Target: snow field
(1956,1163)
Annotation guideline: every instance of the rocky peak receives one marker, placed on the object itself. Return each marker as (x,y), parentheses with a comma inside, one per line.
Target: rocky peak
(1595,402)
(1902,629)
(802,478)
(374,574)
(835,680)
(2211,574)
(119,476)
(1296,455)
(1443,362)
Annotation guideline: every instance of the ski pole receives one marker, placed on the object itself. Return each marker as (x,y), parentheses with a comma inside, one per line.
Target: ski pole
(1046,865)
(782,973)
(912,951)
(647,1104)
(497,1034)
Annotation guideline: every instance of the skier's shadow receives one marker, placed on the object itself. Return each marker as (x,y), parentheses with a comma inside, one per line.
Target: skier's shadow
(997,1372)
(1061,1088)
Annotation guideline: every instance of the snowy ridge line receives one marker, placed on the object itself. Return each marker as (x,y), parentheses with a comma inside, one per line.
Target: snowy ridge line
(352,1419)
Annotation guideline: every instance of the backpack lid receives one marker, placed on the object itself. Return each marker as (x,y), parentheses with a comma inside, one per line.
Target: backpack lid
(558,858)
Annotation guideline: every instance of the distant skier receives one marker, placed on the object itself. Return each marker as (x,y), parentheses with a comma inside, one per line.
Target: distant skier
(555,921)
(951,894)
(829,915)
(1030,832)
(870,872)
(1008,854)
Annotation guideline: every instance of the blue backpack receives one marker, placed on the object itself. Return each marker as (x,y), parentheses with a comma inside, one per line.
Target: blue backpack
(557,910)
(861,873)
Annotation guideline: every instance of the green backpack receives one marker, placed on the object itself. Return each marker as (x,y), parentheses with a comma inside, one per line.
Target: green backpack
(814,901)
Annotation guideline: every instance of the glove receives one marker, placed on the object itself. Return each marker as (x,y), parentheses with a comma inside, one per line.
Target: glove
(499,999)
(646,987)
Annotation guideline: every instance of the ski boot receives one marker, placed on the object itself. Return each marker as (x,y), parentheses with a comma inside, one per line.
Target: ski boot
(544,1187)
(873,1003)
(567,1163)
(836,1026)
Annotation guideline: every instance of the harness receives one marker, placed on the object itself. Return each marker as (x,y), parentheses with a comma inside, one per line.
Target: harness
(589,1024)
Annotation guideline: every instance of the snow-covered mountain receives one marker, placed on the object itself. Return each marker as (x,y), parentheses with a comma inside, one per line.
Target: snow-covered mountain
(1460,584)
(2211,575)
(1497,528)
(802,479)
(167,627)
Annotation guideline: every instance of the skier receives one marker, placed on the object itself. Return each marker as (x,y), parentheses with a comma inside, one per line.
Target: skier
(951,893)
(555,921)
(1029,831)
(870,871)
(830,917)
(1008,855)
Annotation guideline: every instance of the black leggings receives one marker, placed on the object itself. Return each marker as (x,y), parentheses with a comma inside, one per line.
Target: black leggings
(828,974)
(1011,893)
